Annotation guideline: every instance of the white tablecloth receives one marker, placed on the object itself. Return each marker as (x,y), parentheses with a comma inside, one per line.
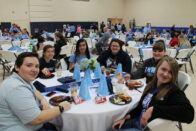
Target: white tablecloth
(89,116)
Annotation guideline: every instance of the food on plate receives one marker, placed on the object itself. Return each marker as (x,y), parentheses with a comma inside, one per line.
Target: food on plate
(118,100)
(132,84)
(58,99)
(46,72)
(125,97)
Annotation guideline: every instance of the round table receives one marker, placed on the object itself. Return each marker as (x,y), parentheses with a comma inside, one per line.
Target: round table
(89,116)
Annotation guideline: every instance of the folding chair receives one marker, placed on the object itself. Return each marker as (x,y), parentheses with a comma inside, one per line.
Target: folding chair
(158,124)
(8,60)
(183,82)
(184,56)
(135,54)
(161,125)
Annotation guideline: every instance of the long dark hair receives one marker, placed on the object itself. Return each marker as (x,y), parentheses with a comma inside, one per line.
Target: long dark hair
(20,59)
(77,52)
(164,88)
(60,35)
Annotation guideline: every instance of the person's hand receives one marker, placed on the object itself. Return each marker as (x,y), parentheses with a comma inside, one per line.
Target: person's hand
(45,104)
(146,116)
(66,105)
(118,124)
(127,77)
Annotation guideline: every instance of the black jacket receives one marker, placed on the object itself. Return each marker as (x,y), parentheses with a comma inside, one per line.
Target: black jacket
(146,70)
(43,64)
(57,47)
(122,57)
(174,106)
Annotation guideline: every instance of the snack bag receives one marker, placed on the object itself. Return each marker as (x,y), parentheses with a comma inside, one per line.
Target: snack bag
(120,78)
(77,99)
(100,99)
(46,72)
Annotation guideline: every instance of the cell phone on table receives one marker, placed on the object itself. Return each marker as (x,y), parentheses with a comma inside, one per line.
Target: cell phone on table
(50,94)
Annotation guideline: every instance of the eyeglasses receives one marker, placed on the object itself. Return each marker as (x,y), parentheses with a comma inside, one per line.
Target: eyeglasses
(115,46)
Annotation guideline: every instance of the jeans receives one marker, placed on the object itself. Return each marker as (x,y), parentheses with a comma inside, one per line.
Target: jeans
(130,125)
(47,127)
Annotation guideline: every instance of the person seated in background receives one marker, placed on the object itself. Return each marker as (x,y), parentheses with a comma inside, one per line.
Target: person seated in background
(115,55)
(81,52)
(147,28)
(46,35)
(160,99)
(95,37)
(22,107)
(174,41)
(148,38)
(14,28)
(154,33)
(103,42)
(165,34)
(149,66)
(112,34)
(123,28)
(40,44)
(79,30)
(47,60)
(190,35)
(86,33)
(36,34)
(60,41)
(119,27)
(13,36)
(24,34)
(183,41)
(112,27)
(6,32)
(130,35)
(190,32)
(72,30)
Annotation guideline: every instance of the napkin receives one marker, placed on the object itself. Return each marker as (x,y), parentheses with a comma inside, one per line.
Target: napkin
(97,73)
(84,90)
(39,86)
(76,74)
(103,87)
(110,86)
(66,80)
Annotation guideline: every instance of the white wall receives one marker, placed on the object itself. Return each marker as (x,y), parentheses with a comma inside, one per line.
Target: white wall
(68,10)
(15,11)
(161,12)
(157,12)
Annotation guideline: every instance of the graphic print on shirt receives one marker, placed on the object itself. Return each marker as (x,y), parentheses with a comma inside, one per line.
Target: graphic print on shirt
(109,63)
(150,71)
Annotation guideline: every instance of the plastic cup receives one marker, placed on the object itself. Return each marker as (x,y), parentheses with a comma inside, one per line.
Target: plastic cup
(130,84)
(58,73)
